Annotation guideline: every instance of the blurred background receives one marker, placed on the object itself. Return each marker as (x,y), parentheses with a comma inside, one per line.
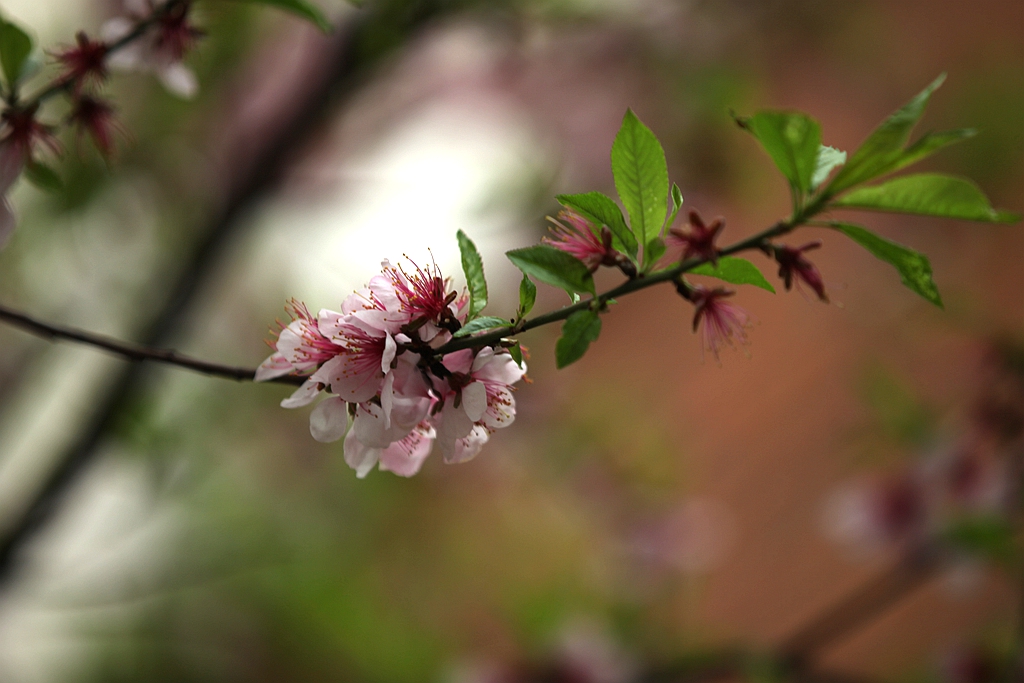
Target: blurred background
(647,511)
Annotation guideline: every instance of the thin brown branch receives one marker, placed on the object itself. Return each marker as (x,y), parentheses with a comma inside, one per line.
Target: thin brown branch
(132,352)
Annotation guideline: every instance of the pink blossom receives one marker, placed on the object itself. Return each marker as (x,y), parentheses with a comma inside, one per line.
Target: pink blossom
(403,457)
(300,345)
(95,117)
(698,241)
(475,400)
(83,62)
(380,397)
(424,298)
(794,266)
(874,513)
(162,48)
(358,371)
(722,321)
(579,239)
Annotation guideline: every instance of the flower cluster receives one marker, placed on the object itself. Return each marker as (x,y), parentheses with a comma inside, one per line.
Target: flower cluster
(376,361)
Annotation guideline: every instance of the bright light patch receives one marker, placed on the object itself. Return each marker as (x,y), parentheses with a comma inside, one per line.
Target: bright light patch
(409,196)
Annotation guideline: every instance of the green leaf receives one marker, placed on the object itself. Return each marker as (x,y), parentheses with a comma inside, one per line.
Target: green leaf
(990,536)
(677,198)
(527,296)
(581,328)
(654,250)
(927,194)
(15,47)
(641,177)
(602,210)
(828,159)
(302,8)
(554,267)
(43,177)
(473,268)
(677,203)
(928,144)
(737,271)
(480,324)
(792,140)
(881,152)
(914,269)
(516,351)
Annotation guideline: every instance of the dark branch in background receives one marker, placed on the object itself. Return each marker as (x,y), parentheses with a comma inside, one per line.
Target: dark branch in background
(371,36)
(913,570)
(795,656)
(131,352)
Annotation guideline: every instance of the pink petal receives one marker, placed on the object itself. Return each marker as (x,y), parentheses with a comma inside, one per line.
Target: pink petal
(274,366)
(405,457)
(303,396)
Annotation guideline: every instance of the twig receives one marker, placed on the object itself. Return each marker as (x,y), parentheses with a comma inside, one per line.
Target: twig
(912,571)
(136,352)
(133,352)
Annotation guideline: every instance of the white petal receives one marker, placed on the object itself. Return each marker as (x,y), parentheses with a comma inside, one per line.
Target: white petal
(483,357)
(359,456)
(129,58)
(351,386)
(387,397)
(115,29)
(452,424)
(302,396)
(500,369)
(406,414)
(501,409)
(474,400)
(179,80)
(275,365)
(139,8)
(469,446)
(390,349)
(329,420)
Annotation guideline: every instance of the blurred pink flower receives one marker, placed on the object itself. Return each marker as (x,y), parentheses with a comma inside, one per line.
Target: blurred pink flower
(722,321)
(696,241)
(84,62)
(793,266)
(161,49)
